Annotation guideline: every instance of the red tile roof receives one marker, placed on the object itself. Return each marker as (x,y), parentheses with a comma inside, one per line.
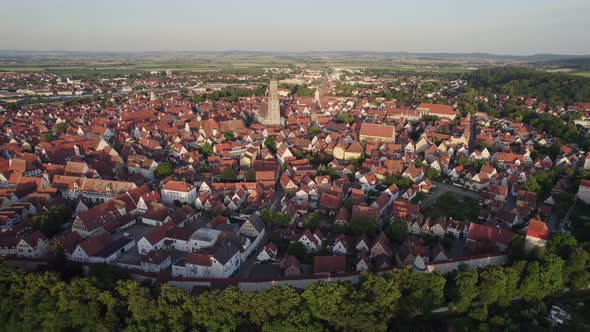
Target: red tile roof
(491,235)
(329,264)
(538,229)
(371,129)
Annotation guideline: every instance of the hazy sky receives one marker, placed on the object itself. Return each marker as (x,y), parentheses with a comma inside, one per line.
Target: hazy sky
(494,26)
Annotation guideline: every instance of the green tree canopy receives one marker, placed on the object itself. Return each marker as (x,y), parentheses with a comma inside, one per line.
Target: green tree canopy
(228,174)
(250,174)
(206,149)
(271,144)
(163,170)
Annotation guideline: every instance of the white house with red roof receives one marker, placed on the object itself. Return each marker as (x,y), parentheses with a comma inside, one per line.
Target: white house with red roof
(145,200)
(269,253)
(340,246)
(180,191)
(311,241)
(154,239)
(537,235)
(33,245)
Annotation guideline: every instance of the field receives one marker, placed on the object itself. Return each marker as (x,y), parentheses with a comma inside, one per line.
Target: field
(570,71)
(233,63)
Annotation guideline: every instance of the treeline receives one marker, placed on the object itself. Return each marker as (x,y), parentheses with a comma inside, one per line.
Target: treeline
(34,301)
(299,90)
(228,94)
(549,87)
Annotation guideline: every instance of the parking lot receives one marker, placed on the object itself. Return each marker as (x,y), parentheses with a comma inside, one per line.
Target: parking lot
(136,232)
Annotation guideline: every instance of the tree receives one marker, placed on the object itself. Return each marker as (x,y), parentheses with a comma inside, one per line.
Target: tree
(204,169)
(312,221)
(271,144)
(84,307)
(108,275)
(380,294)
(50,221)
(345,118)
(313,131)
(432,173)
(220,310)
(483,144)
(61,127)
(492,284)
(552,277)
(228,174)
(266,216)
(531,284)
(576,274)
(347,204)
(297,249)
(562,244)
(47,136)
(532,185)
(397,230)
(229,135)
(363,225)
(141,307)
(464,288)
(465,162)
(282,219)
(206,149)
(403,182)
(250,174)
(328,302)
(516,249)
(163,170)
(478,164)
(514,275)
(280,308)
(420,292)
(555,148)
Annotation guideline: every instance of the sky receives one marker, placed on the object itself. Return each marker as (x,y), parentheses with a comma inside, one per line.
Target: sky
(515,27)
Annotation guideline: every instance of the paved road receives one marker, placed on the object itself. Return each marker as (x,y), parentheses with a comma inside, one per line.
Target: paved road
(442,188)
(246,266)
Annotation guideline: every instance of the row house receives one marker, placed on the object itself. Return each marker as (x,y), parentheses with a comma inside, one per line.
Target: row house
(138,164)
(95,190)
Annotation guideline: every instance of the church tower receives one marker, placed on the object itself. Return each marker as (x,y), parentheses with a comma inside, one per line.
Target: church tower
(272,114)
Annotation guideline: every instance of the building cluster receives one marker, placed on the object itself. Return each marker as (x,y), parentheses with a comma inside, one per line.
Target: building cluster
(184,185)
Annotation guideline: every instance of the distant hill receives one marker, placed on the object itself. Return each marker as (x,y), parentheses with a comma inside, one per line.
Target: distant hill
(433,56)
(573,63)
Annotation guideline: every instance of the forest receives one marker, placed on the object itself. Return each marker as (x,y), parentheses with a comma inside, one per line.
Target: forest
(551,88)
(33,301)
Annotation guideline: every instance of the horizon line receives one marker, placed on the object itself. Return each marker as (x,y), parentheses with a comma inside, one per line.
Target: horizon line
(300,52)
